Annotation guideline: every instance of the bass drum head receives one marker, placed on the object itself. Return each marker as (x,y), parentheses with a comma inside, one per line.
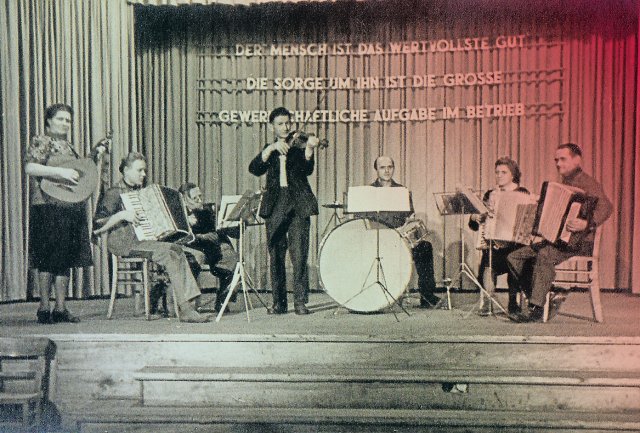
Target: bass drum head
(348,268)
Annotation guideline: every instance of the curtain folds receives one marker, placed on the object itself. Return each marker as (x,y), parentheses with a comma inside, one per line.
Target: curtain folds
(592,101)
(135,70)
(79,52)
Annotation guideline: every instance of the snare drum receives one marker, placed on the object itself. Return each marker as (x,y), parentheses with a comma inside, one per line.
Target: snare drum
(348,266)
(413,231)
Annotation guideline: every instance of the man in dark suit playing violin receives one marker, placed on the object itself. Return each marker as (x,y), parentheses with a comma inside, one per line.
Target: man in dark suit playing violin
(287,206)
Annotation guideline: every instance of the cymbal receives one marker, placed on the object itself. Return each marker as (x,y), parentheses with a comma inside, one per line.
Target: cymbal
(335,205)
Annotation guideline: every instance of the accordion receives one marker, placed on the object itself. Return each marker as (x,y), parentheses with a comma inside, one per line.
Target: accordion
(162,212)
(558,204)
(511,220)
(519,219)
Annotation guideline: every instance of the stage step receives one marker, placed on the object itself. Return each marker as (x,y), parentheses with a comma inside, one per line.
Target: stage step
(126,417)
(471,389)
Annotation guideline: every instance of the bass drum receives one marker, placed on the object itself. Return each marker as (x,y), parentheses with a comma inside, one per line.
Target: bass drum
(348,268)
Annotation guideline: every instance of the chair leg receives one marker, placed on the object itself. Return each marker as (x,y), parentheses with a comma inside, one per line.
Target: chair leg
(545,314)
(26,412)
(38,415)
(114,286)
(175,303)
(146,290)
(594,289)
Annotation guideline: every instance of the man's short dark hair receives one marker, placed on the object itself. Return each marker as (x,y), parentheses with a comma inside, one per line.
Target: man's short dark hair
(130,159)
(573,148)
(186,187)
(280,111)
(375,163)
(512,166)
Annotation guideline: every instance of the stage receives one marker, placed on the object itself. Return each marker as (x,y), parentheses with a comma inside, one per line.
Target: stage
(339,371)
(621,311)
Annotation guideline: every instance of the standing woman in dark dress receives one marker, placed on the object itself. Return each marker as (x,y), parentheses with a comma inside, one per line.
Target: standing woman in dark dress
(59,234)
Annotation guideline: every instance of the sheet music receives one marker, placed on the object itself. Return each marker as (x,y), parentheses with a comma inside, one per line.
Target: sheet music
(227,203)
(473,199)
(377,199)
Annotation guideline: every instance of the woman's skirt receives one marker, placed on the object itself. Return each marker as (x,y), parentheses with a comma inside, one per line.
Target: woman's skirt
(59,237)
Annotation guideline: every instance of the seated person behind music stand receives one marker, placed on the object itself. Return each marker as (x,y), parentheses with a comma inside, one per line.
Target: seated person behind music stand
(423,251)
(122,241)
(544,256)
(215,244)
(507,175)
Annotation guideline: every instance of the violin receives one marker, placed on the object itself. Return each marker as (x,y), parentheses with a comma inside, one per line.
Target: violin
(299,139)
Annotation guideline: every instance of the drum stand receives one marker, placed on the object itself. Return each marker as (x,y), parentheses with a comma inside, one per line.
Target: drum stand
(240,277)
(380,279)
(335,218)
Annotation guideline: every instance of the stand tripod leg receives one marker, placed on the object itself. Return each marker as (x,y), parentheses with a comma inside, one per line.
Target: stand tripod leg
(253,288)
(232,288)
(383,285)
(245,295)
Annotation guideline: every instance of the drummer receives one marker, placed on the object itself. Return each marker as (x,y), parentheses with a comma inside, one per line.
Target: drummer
(422,251)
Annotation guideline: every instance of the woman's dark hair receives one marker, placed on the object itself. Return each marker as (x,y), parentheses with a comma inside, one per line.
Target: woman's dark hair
(513,168)
(52,110)
(130,159)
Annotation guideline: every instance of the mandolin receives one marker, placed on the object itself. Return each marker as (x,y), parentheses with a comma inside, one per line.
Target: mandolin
(65,191)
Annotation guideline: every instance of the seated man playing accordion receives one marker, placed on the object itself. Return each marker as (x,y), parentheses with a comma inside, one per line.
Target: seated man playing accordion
(422,251)
(112,217)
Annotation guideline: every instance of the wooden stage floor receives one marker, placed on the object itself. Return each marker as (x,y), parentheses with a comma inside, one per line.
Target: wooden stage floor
(621,313)
(353,372)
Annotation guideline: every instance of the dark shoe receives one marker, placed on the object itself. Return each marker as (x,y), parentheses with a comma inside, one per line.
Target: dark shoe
(514,309)
(301,309)
(536,315)
(158,292)
(63,316)
(429,300)
(218,305)
(277,309)
(44,317)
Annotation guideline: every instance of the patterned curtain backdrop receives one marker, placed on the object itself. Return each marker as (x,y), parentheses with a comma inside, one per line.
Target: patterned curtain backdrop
(575,73)
(78,52)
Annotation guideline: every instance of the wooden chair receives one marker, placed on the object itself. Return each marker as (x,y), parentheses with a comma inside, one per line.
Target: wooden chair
(135,272)
(581,272)
(23,363)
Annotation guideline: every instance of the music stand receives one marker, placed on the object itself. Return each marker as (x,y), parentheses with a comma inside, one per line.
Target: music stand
(245,213)
(369,199)
(462,202)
